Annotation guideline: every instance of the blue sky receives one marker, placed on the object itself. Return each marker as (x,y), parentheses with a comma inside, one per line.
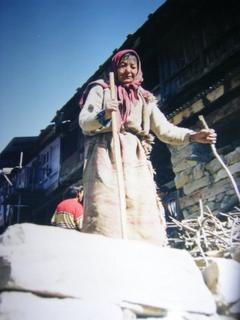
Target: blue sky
(49,48)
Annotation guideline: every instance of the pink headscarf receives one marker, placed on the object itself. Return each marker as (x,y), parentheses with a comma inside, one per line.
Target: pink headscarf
(127,94)
(116,59)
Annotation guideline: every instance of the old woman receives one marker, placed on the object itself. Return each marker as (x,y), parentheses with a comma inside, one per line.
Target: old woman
(137,117)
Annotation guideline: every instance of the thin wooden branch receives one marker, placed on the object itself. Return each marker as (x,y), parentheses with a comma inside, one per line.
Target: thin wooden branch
(217,156)
(118,161)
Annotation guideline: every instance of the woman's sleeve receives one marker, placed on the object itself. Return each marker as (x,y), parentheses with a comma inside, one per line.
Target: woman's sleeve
(166,131)
(91,117)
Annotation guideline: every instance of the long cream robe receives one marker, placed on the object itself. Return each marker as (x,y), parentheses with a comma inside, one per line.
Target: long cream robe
(145,215)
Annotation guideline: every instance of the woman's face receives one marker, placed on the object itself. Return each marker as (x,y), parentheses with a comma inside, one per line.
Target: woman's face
(127,69)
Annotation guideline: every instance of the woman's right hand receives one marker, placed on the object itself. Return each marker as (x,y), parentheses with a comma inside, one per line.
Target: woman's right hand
(110,106)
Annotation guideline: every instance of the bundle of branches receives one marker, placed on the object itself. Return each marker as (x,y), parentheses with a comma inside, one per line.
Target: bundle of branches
(210,235)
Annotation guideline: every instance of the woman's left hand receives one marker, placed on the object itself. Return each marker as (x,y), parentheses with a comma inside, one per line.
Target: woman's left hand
(207,136)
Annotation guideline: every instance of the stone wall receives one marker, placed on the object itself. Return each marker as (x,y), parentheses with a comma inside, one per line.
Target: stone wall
(198,174)
(206,180)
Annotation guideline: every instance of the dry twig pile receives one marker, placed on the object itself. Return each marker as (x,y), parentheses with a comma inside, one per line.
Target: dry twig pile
(209,235)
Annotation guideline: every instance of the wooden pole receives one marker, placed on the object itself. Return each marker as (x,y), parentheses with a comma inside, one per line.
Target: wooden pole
(118,161)
(214,150)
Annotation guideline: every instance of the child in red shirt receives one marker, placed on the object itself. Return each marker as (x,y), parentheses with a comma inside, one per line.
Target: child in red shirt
(69,212)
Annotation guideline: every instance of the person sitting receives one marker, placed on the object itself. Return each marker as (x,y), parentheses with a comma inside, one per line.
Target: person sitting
(69,212)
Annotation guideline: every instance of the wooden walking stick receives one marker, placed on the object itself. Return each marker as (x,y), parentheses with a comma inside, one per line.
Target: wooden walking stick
(118,161)
(214,150)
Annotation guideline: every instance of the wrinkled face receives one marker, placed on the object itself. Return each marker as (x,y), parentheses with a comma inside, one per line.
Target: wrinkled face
(127,69)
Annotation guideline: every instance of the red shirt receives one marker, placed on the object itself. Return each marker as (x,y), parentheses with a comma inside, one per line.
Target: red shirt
(68,214)
(71,206)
